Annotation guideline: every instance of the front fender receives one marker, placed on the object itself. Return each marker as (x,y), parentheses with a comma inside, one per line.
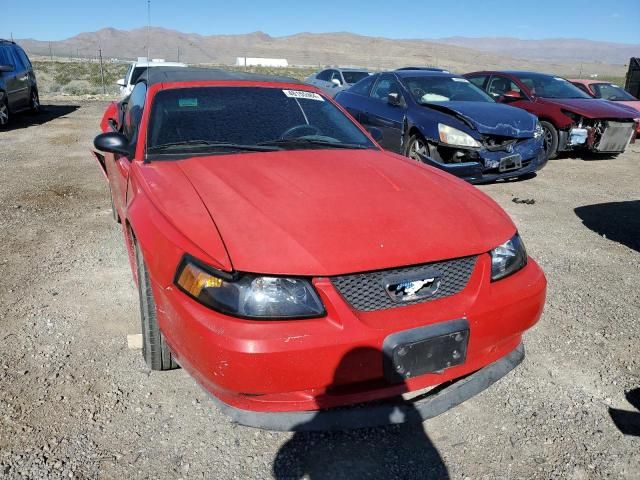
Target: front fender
(167,229)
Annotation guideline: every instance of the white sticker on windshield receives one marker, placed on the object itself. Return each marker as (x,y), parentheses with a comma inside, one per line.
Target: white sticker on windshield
(463,80)
(559,79)
(303,94)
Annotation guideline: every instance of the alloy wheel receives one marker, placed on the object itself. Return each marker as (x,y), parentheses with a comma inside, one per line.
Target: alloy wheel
(4,113)
(548,139)
(35,101)
(418,147)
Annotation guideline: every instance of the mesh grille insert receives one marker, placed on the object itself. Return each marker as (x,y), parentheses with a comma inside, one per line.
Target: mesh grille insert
(366,291)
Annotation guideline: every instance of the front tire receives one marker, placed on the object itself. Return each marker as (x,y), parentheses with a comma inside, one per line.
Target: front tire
(416,146)
(34,103)
(155,350)
(550,135)
(4,111)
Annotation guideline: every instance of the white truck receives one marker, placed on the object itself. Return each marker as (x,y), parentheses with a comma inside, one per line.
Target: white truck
(137,68)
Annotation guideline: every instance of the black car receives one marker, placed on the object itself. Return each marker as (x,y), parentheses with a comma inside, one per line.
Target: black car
(18,87)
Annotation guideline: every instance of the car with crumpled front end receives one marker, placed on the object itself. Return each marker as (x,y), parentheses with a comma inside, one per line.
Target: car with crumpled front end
(292,266)
(570,118)
(611,92)
(441,119)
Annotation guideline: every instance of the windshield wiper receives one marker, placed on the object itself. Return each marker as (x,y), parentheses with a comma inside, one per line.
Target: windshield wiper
(207,144)
(297,142)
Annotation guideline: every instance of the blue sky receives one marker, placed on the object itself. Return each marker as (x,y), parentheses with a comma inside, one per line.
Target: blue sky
(613,20)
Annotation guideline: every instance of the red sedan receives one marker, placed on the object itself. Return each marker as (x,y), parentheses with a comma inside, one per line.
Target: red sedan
(611,92)
(570,118)
(292,266)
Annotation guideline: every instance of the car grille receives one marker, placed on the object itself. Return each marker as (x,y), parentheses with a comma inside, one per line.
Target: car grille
(366,291)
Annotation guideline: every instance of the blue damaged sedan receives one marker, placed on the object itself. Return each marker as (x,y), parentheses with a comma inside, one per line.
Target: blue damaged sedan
(445,121)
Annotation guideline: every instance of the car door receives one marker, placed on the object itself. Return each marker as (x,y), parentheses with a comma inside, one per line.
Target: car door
(22,79)
(118,166)
(383,115)
(499,82)
(321,80)
(12,85)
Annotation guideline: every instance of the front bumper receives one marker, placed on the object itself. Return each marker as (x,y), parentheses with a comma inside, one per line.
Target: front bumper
(335,361)
(485,168)
(380,413)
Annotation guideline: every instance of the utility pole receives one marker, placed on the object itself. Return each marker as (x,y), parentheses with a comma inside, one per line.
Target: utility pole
(104,90)
(50,52)
(178,53)
(148,28)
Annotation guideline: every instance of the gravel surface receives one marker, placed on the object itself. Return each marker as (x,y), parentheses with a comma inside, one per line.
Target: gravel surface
(75,402)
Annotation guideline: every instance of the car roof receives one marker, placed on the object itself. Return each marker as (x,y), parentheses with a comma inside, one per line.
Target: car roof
(586,81)
(191,74)
(159,64)
(422,73)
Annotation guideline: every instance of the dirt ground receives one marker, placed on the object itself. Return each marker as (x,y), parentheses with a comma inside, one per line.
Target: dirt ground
(75,402)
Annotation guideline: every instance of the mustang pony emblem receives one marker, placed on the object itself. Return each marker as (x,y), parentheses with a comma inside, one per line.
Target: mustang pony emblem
(408,289)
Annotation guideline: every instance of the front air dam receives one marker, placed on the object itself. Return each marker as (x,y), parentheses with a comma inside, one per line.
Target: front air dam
(379,413)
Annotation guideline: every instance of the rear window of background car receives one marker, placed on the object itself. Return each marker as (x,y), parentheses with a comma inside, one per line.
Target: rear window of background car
(354,77)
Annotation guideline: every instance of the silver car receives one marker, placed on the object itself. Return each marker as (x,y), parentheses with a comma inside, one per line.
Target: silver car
(334,80)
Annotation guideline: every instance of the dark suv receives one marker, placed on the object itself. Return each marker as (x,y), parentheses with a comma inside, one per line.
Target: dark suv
(18,87)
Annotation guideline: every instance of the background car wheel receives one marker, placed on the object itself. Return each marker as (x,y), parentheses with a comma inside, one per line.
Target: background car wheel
(550,135)
(4,112)
(155,350)
(417,146)
(34,104)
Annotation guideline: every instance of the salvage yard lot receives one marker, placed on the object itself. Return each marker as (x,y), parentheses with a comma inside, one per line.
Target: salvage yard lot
(75,401)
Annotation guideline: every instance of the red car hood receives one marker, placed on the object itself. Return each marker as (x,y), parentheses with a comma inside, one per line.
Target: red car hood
(327,212)
(635,104)
(591,107)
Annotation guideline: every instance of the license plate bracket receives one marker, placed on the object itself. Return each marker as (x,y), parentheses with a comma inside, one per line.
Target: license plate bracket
(511,162)
(426,350)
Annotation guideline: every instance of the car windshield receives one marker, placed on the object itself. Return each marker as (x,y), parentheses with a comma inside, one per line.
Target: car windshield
(221,119)
(612,92)
(547,86)
(354,77)
(436,89)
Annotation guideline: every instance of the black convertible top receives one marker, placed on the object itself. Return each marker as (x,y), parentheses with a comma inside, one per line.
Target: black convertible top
(155,75)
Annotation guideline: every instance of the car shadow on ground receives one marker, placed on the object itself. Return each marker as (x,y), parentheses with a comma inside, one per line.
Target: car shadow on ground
(628,422)
(617,221)
(389,452)
(47,114)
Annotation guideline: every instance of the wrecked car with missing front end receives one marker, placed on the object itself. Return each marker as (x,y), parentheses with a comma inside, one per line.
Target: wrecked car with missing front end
(445,121)
(570,118)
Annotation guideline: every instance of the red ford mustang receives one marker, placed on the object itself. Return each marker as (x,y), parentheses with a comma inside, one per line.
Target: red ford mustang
(292,266)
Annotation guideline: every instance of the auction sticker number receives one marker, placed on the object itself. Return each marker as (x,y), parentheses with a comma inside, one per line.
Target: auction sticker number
(303,94)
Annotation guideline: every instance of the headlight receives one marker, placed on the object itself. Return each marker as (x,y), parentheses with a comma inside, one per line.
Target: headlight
(575,118)
(453,136)
(508,258)
(247,295)
(538,131)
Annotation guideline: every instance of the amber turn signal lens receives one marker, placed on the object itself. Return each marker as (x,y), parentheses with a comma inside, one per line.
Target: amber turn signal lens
(193,279)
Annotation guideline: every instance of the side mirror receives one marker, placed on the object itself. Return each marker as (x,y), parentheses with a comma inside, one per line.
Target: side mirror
(510,96)
(394,99)
(376,133)
(113,142)
(6,68)
(121,82)
(336,82)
